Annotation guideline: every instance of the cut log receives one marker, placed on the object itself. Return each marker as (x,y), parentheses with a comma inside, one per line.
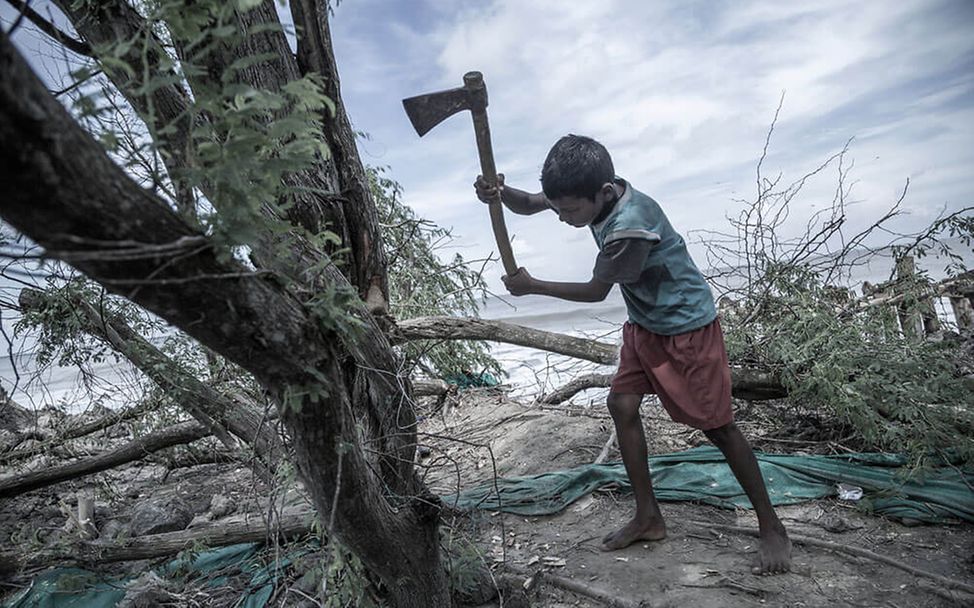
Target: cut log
(186,432)
(468,328)
(427,388)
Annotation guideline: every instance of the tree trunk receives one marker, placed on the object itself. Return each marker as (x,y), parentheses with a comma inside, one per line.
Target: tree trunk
(68,196)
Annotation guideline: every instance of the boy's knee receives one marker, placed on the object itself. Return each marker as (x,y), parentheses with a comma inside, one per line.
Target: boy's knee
(623,407)
(722,434)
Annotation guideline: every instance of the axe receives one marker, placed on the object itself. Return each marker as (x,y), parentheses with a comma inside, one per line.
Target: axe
(427,111)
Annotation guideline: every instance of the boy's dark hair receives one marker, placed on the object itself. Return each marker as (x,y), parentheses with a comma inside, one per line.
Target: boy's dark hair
(576,166)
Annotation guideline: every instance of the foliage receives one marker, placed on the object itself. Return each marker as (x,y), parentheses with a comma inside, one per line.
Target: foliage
(345,581)
(420,284)
(786,308)
(898,393)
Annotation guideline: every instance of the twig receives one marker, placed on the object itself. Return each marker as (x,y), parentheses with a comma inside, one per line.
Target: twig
(731,584)
(607,447)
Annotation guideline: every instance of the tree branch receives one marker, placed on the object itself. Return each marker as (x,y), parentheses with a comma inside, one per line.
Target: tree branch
(69,42)
(468,328)
(186,432)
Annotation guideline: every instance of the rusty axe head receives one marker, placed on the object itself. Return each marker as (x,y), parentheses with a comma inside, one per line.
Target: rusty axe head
(427,111)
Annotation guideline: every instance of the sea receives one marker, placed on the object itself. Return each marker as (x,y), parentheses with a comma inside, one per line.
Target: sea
(527,372)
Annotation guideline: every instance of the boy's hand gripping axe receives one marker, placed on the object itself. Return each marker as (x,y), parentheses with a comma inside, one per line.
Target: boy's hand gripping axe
(427,111)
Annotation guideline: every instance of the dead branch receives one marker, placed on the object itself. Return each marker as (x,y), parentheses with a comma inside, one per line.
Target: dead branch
(72,44)
(249,529)
(749,384)
(219,414)
(73,432)
(468,328)
(178,434)
(577,385)
(609,444)
(958,285)
(574,586)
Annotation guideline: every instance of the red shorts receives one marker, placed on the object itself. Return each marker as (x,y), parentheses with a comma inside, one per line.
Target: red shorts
(689,372)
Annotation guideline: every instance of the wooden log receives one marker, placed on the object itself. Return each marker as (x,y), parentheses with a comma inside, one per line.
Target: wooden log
(427,388)
(178,434)
(468,328)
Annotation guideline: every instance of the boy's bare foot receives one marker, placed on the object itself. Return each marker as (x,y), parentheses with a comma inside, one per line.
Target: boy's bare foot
(635,530)
(774,552)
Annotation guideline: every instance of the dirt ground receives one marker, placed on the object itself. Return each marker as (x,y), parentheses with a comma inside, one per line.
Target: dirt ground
(482,433)
(694,566)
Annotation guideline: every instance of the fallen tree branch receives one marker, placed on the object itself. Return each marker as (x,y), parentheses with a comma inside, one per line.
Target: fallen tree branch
(178,434)
(252,529)
(958,285)
(604,454)
(848,550)
(576,386)
(749,384)
(606,599)
(217,412)
(74,432)
(469,328)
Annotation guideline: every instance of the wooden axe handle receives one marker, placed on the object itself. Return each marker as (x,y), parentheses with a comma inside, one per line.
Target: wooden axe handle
(482,131)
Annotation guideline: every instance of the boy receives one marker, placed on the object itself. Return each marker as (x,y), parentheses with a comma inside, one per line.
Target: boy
(672,344)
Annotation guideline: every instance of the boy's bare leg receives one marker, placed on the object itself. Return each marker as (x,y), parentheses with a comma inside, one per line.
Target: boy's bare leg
(774,551)
(647,523)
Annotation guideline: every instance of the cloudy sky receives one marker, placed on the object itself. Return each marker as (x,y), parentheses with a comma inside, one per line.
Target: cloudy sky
(682,94)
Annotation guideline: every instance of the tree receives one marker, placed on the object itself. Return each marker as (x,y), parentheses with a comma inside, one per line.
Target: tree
(235,117)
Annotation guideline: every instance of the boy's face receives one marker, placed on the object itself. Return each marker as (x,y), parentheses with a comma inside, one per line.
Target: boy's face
(580,211)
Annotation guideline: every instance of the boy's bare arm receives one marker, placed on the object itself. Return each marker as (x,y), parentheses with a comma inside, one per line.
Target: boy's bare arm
(518,201)
(522,283)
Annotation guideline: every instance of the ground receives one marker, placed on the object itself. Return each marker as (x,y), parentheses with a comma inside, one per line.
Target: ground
(483,432)
(695,565)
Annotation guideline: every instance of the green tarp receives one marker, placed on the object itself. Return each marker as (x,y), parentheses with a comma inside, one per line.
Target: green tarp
(76,588)
(702,475)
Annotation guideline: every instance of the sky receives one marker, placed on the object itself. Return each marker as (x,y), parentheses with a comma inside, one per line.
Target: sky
(681,93)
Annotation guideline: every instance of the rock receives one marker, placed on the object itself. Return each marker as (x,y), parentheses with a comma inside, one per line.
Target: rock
(160,514)
(112,529)
(220,505)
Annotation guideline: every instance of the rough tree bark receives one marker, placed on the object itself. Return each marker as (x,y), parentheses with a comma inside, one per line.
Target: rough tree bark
(73,201)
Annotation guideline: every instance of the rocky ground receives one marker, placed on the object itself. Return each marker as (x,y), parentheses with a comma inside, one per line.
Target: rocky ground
(467,441)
